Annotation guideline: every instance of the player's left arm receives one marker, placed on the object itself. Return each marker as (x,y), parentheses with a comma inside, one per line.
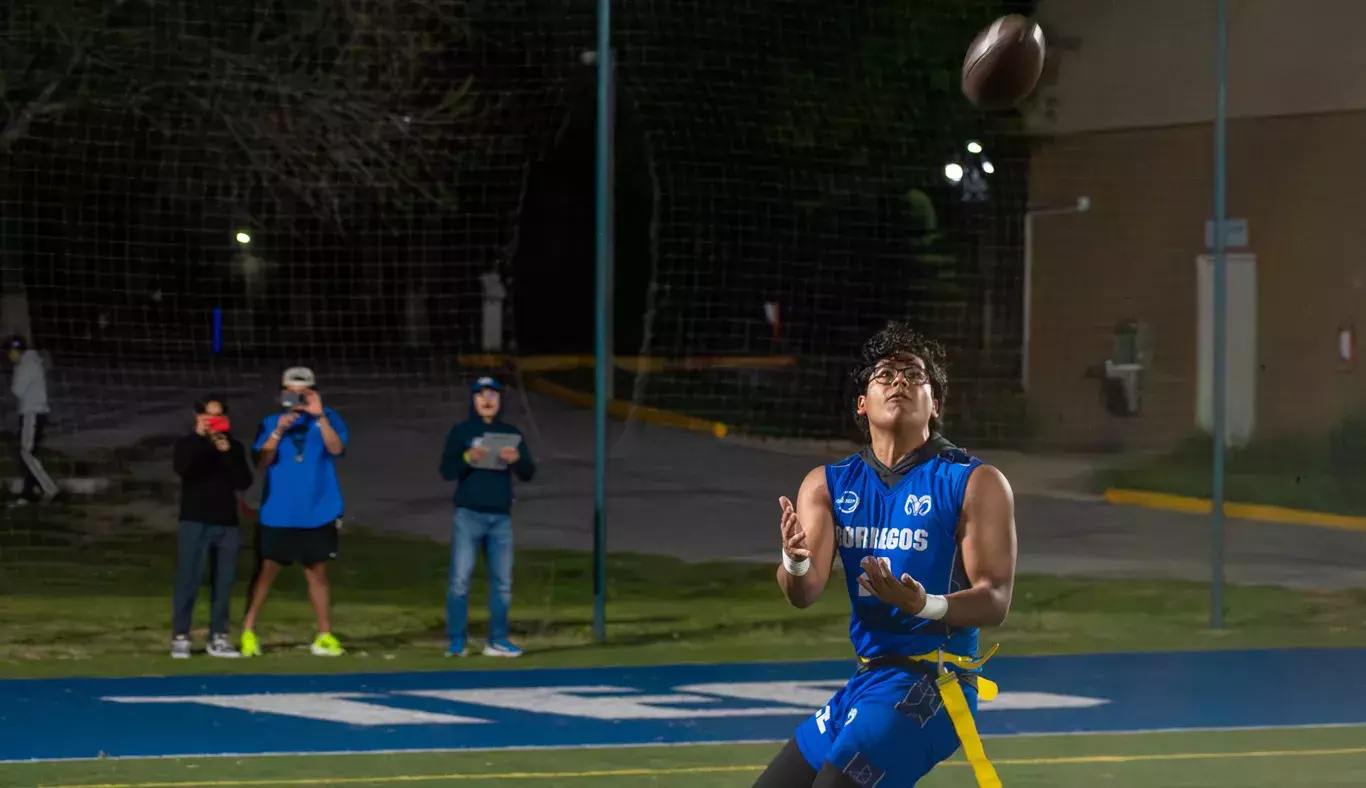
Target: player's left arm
(986,540)
(987,529)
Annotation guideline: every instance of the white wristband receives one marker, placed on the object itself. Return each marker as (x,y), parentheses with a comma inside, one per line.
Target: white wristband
(935,607)
(795,568)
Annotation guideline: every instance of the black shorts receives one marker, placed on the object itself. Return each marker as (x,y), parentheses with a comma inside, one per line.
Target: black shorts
(305,546)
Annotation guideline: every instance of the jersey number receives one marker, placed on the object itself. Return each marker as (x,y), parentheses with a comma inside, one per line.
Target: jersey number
(886,562)
(823,718)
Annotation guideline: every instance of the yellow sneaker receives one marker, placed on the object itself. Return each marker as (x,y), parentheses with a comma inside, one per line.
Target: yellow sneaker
(251,647)
(327,646)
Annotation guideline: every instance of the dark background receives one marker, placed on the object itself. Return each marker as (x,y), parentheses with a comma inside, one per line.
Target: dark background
(782,150)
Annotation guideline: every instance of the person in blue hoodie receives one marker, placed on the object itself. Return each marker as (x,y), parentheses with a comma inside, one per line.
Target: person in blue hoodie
(483,516)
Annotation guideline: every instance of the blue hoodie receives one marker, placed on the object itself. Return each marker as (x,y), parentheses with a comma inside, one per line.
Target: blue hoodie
(481,490)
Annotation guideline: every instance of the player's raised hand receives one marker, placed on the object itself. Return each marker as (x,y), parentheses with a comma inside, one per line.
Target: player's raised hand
(905,593)
(794,537)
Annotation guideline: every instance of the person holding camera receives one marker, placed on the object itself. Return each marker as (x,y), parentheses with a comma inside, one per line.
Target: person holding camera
(481,454)
(213,469)
(301,503)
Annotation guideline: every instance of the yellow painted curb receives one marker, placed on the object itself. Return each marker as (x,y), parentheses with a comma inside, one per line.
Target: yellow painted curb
(525,363)
(1244,511)
(627,410)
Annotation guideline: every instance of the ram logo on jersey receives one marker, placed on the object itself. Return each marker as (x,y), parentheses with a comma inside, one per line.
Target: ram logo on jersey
(847,502)
(918,506)
(917,539)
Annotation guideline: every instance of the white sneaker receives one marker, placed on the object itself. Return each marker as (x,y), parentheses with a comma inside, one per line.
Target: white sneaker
(501,648)
(180,647)
(219,646)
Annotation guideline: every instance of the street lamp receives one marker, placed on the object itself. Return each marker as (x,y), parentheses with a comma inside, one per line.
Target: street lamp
(968,175)
(1082,205)
(969,172)
(243,238)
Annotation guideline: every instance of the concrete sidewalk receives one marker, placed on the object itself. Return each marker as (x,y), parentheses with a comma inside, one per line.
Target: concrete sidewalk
(693,496)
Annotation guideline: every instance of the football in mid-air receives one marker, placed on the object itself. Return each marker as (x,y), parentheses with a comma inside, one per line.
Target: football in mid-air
(1003,63)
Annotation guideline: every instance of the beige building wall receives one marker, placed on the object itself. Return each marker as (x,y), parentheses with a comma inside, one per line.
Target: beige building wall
(1296,172)
(1123,64)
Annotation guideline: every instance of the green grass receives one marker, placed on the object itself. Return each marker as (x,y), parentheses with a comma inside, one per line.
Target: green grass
(1227,759)
(80,596)
(1314,472)
(86,596)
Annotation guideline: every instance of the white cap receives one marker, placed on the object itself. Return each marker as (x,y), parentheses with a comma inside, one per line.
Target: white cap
(299,376)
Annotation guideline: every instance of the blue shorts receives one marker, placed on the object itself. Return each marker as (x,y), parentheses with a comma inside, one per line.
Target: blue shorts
(871,730)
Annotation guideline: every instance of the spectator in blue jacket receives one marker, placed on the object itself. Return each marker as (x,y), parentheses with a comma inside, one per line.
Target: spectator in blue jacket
(483,516)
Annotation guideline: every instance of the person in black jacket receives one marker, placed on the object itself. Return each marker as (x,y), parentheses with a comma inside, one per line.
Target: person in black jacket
(213,469)
(483,514)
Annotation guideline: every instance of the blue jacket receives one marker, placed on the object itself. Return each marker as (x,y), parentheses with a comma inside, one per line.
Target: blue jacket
(488,491)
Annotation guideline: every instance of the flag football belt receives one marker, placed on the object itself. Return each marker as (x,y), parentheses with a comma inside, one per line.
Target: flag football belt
(946,670)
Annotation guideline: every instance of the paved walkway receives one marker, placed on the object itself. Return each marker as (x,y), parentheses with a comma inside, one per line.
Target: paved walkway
(690,495)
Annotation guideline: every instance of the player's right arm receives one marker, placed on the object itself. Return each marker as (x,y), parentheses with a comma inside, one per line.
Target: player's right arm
(808,540)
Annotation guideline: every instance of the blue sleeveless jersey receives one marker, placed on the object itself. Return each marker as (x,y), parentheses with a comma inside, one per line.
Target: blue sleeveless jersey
(913,526)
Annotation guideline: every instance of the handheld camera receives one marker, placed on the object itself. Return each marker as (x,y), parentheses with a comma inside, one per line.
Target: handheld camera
(294,399)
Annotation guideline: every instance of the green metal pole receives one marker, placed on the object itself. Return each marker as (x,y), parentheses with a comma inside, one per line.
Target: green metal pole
(603,210)
(1220,317)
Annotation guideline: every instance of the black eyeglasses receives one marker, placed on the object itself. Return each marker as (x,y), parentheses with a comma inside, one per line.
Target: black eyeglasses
(886,376)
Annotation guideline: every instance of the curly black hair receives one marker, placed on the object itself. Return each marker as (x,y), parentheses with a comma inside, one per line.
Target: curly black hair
(894,339)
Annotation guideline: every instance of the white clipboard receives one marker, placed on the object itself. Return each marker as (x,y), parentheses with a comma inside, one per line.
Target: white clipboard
(496,442)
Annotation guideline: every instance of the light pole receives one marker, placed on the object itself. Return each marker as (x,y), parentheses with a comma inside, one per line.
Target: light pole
(604,223)
(969,173)
(968,176)
(1082,205)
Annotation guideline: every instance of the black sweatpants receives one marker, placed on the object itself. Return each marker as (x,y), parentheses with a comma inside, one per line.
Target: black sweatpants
(194,545)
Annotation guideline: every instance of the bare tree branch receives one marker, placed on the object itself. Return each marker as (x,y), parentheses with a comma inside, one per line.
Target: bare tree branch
(18,124)
(338,98)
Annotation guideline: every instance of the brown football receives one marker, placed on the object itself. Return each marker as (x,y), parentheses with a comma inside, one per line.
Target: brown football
(1003,63)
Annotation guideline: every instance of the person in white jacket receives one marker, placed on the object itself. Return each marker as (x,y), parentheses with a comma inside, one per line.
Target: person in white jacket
(29,386)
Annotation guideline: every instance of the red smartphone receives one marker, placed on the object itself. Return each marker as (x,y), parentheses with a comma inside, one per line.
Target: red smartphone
(219,424)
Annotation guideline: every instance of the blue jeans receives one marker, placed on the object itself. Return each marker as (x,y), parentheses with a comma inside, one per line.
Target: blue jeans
(193,545)
(470,531)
